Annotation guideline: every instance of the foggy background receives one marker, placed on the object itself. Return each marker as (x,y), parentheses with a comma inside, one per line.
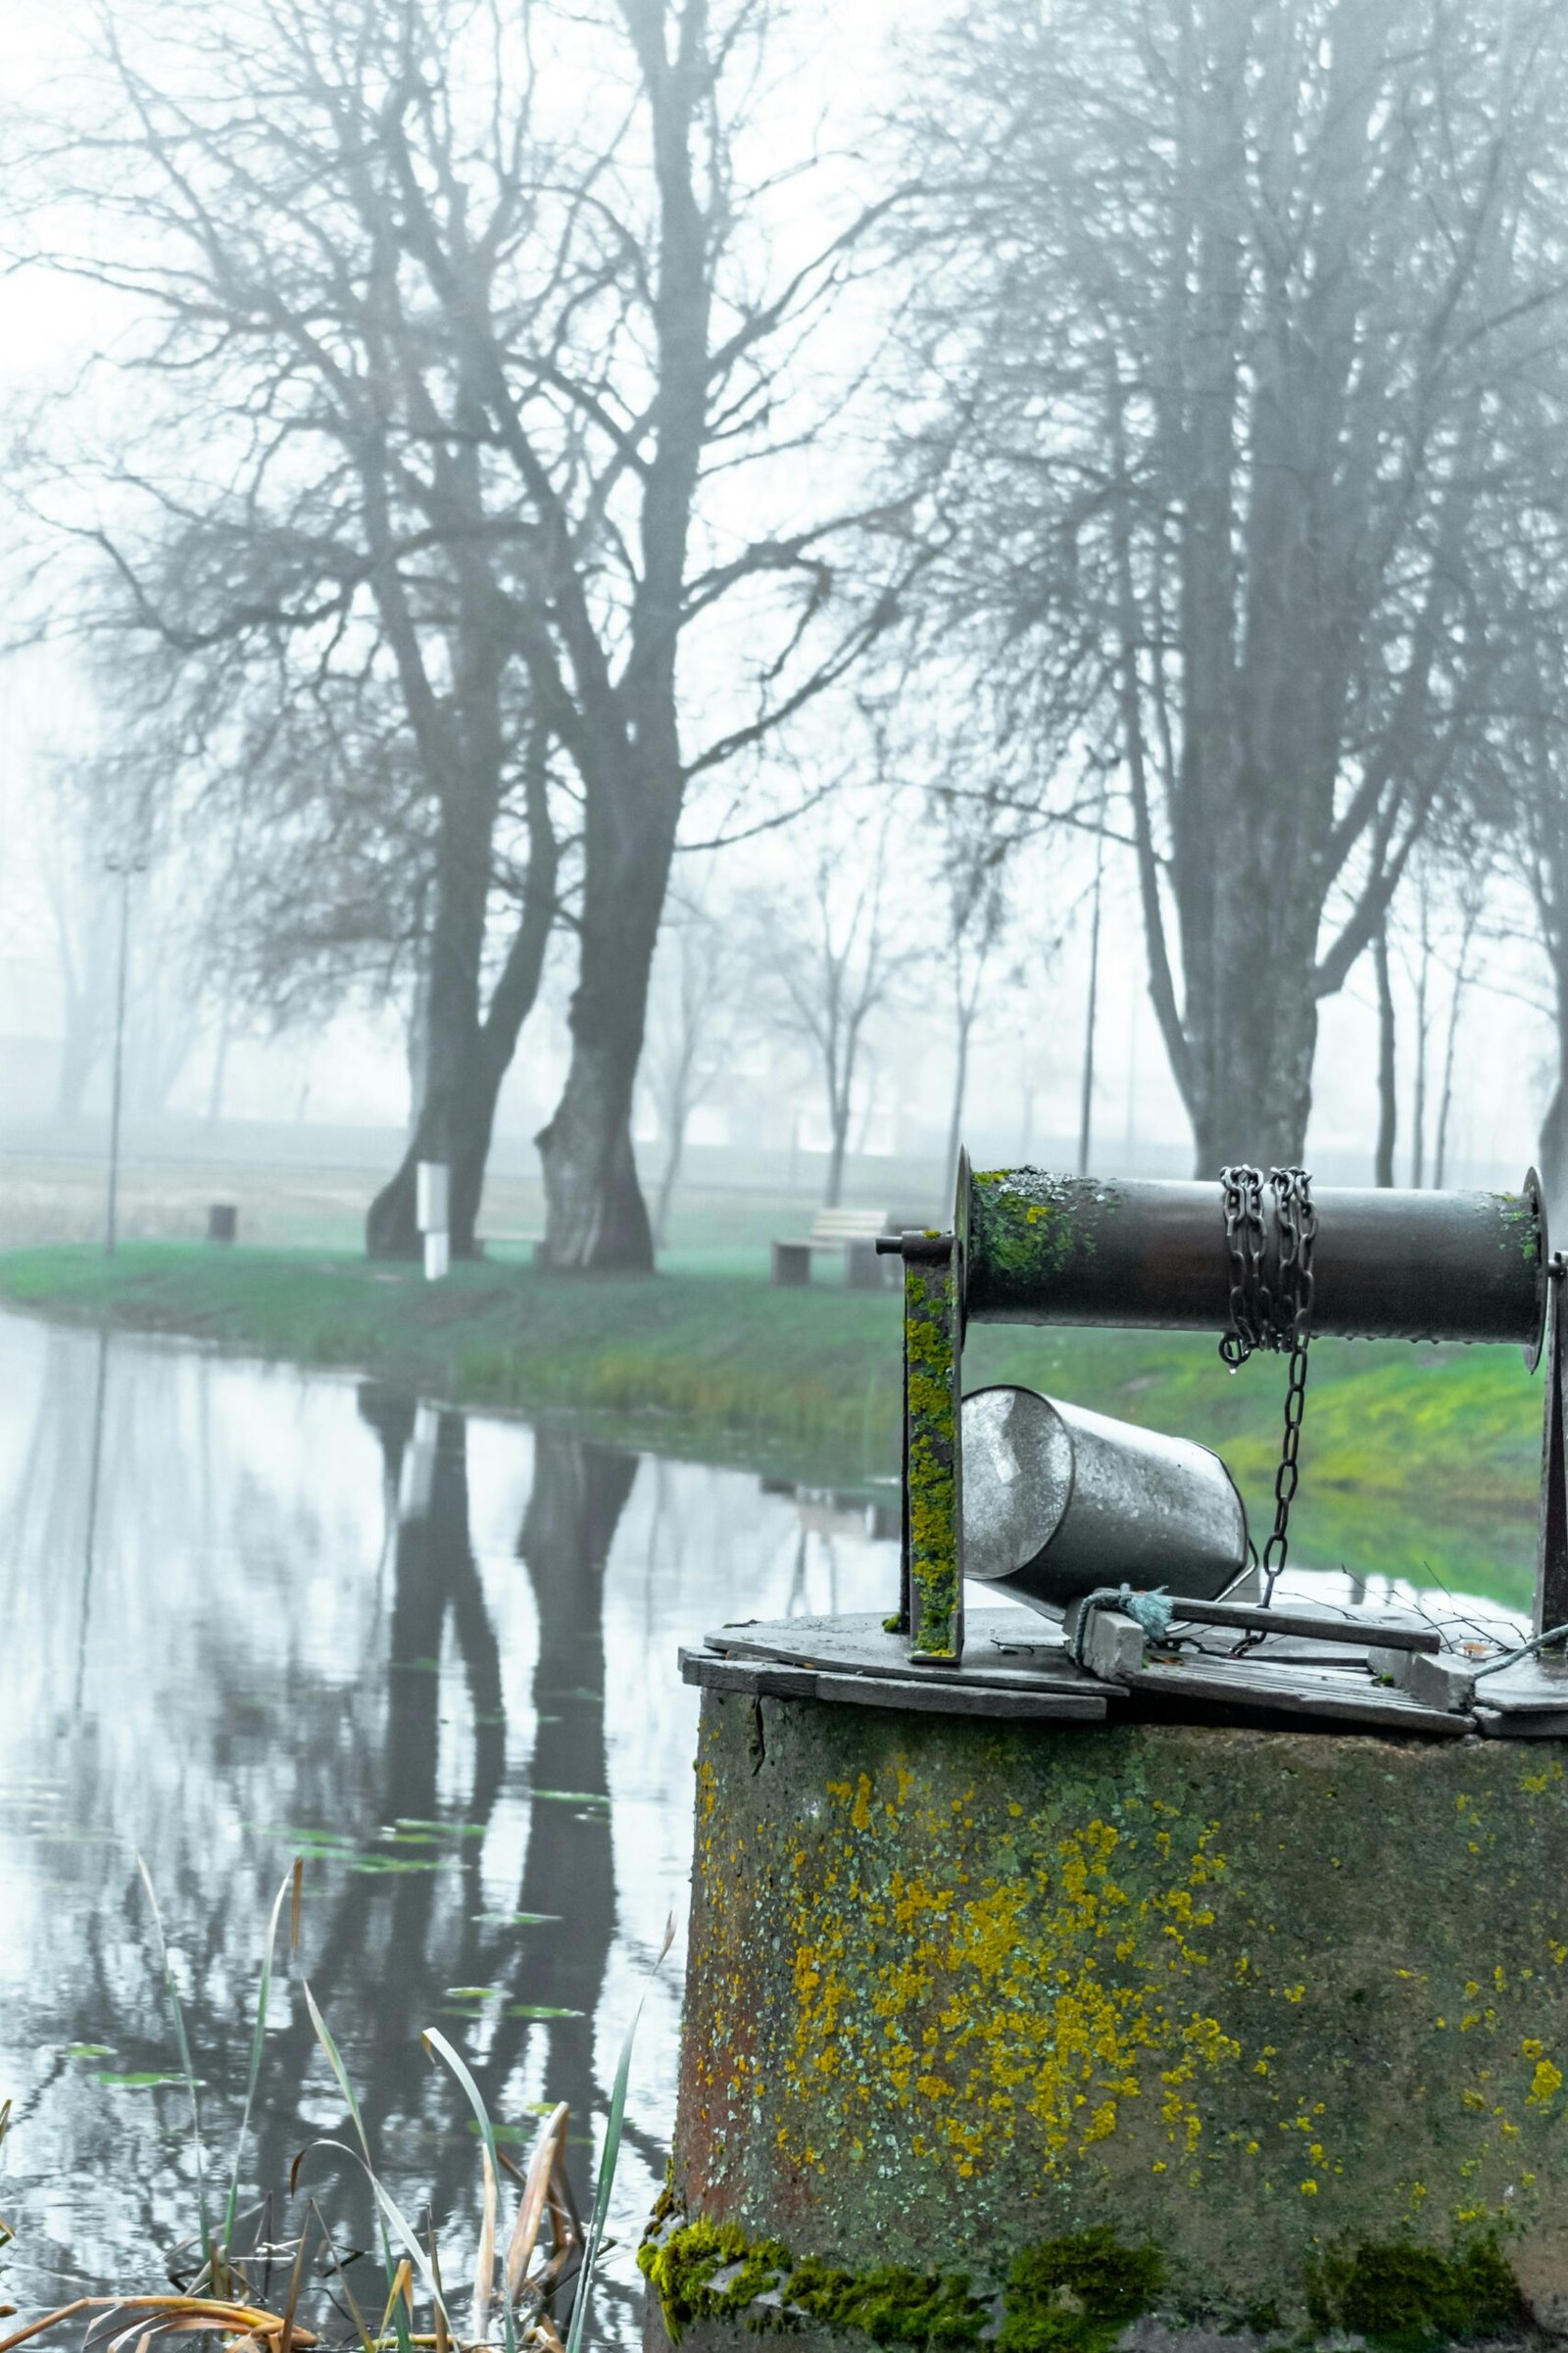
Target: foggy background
(877,618)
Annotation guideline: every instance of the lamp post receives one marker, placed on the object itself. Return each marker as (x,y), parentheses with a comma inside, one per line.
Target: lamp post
(124,867)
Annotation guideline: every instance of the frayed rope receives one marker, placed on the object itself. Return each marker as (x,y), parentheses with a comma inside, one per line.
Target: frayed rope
(1152,1611)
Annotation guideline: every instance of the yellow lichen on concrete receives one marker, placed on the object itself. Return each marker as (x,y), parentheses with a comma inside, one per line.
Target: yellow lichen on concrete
(1245,1994)
(1039,1992)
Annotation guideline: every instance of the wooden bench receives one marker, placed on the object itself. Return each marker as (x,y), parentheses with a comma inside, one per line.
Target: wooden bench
(853,1231)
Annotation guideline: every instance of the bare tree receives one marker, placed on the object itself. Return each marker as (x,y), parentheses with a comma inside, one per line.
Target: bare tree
(311,546)
(697,1013)
(1237,313)
(648,366)
(827,959)
(478,310)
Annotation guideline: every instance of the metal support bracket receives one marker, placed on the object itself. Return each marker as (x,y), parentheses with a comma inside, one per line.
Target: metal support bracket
(931,1571)
(1551,1541)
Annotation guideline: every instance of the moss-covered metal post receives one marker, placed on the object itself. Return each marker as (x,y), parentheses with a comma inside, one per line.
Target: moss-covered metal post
(931,1599)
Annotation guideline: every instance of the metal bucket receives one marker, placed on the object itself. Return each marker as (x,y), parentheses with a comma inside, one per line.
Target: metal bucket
(1057,1500)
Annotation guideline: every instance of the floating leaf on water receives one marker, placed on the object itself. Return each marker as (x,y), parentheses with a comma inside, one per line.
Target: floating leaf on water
(444,1829)
(517,1919)
(377,1865)
(573,1797)
(471,1993)
(148,2080)
(324,1841)
(541,2010)
(92,2050)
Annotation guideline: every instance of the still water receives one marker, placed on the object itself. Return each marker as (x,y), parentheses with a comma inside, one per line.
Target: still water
(244,1609)
(247,1613)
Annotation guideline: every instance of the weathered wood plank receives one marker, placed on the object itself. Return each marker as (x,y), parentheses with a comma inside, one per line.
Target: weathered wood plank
(771,1679)
(1329,1695)
(860,1644)
(1084,1706)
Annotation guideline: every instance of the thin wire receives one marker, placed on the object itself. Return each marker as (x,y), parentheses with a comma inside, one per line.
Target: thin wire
(1512,1658)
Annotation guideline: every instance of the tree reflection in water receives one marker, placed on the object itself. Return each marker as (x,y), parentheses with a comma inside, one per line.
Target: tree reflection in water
(393,1959)
(218,1643)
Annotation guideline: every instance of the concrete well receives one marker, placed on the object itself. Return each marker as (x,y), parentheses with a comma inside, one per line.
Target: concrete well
(1289,2009)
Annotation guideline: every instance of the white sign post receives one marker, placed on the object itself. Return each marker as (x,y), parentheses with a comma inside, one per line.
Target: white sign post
(433,1190)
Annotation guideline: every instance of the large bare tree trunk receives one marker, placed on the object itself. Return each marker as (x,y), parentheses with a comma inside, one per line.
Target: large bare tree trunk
(467,1057)
(596,1219)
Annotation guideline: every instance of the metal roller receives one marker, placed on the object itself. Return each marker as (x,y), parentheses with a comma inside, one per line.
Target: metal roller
(1054,1249)
(1057,1500)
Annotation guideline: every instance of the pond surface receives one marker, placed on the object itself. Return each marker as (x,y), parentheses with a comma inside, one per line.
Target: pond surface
(248,1611)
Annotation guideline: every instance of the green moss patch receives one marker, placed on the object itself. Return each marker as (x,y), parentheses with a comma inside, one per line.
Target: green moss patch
(1076,2295)
(1068,2296)
(891,2306)
(682,2267)
(1407,2298)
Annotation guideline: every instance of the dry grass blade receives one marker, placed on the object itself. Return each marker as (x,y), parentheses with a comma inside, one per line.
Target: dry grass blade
(180,2314)
(402,2287)
(50,2320)
(296,2280)
(535,2194)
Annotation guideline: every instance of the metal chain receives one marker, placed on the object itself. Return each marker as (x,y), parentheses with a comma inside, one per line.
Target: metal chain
(1280,1321)
(1243,1190)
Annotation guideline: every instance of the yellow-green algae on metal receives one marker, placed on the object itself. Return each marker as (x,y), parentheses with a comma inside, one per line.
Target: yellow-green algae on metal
(1257,2000)
(932,1613)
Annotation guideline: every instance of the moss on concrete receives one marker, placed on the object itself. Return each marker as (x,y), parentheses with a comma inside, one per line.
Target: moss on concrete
(1406,2297)
(1247,1997)
(890,2304)
(1066,2295)
(1075,2296)
(682,2265)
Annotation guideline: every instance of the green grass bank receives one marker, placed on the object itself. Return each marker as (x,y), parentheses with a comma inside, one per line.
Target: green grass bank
(1416,1463)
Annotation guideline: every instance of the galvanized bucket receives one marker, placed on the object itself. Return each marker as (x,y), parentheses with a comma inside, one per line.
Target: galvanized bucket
(1057,1500)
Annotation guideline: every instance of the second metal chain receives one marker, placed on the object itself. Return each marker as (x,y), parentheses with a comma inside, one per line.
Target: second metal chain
(1281,1320)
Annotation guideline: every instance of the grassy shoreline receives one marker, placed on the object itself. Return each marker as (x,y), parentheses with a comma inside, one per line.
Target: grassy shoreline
(1416,1463)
